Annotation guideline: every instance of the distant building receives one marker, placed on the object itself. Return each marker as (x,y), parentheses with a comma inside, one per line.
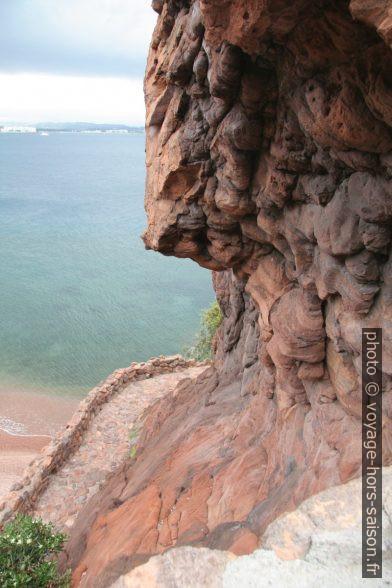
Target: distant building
(10,129)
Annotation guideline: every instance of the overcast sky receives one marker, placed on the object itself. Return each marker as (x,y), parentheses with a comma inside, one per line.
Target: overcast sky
(73,60)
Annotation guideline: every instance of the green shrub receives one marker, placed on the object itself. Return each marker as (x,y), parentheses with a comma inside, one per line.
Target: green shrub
(211,319)
(26,547)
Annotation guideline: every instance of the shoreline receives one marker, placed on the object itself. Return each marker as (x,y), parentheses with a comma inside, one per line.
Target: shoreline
(16,453)
(29,413)
(32,443)
(29,435)
(28,422)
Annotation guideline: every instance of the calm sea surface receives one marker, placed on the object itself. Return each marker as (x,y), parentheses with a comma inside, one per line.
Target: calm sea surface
(79,295)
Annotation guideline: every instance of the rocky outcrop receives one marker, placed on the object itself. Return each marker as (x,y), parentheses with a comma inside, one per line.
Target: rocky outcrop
(269,158)
(310,546)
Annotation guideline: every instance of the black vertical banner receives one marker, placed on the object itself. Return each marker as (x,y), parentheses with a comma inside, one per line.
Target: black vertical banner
(371,453)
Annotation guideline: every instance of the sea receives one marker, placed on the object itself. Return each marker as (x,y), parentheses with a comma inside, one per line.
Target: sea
(79,294)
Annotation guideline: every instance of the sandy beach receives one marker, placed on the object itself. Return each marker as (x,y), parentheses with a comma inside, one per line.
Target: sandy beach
(16,452)
(27,422)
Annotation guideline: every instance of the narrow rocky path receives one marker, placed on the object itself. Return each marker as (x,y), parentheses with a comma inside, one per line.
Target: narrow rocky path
(105,445)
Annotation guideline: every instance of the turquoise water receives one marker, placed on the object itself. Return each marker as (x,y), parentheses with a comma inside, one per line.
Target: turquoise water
(80,296)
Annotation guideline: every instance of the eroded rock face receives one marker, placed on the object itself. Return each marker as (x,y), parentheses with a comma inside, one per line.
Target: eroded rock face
(269,156)
(308,547)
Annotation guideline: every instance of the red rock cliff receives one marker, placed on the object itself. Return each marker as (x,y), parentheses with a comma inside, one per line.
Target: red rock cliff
(269,157)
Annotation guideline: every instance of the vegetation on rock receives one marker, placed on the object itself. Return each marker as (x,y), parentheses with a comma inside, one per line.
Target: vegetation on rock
(211,319)
(133,436)
(26,547)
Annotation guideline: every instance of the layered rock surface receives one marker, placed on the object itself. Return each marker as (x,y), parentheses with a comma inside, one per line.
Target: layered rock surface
(269,157)
(312,546)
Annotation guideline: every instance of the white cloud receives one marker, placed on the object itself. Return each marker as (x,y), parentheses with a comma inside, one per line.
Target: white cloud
(38,97)
(122,27)
(96,37)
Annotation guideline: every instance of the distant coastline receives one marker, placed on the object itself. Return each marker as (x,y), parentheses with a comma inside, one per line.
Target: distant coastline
(76,127)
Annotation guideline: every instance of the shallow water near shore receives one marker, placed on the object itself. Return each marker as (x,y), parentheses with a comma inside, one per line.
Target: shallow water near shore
(80,296)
